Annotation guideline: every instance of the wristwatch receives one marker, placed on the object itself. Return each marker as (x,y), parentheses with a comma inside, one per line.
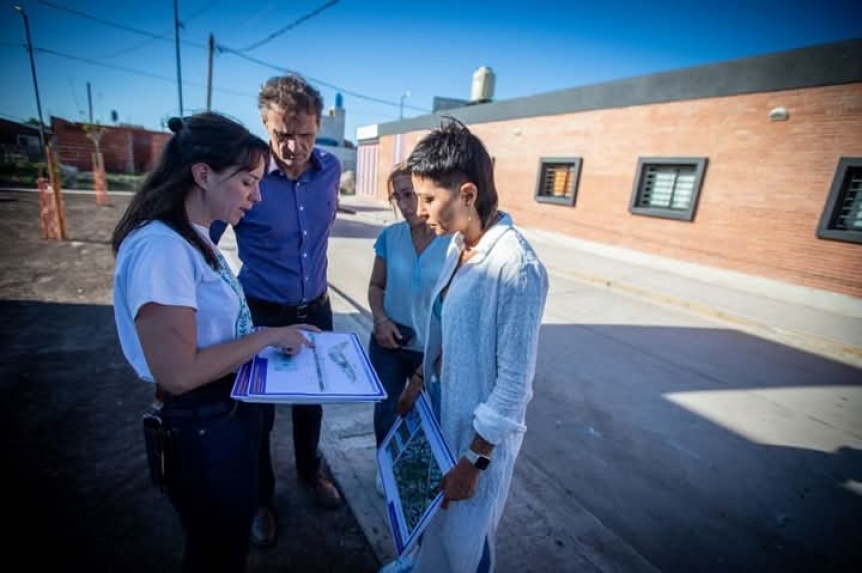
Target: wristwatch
(478,460)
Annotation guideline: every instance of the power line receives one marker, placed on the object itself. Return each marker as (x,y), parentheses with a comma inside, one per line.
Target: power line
(199,12)
(132,71)
(151,75)
(221,48)
(290,26)
(163,36)
(118,25)
(282,69)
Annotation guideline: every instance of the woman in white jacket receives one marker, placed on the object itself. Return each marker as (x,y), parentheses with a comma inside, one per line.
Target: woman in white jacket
(481,343)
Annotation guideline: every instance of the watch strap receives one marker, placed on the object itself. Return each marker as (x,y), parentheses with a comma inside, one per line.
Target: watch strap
(479,461)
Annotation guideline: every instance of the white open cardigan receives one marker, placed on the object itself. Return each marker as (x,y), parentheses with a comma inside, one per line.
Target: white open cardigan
(488,334)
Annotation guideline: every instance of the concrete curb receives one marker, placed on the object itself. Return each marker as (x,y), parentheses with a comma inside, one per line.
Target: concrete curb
(831,349)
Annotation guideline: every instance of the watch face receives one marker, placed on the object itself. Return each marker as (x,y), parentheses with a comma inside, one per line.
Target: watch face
(482,463)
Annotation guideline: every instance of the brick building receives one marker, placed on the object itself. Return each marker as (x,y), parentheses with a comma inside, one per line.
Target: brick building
(752,165)
(125,149)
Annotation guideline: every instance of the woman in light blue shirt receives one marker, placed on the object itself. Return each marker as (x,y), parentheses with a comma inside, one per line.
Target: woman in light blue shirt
(408,263)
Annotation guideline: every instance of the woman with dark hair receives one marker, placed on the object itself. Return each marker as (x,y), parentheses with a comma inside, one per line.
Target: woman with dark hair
(480,352)
(185,327)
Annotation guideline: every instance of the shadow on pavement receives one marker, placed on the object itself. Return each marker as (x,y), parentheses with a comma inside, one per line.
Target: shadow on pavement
(703,449)
(76,468)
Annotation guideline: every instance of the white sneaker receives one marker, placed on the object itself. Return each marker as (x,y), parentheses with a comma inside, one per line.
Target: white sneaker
(378,482)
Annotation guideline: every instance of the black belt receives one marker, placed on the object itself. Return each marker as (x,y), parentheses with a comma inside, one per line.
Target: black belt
(204,401)
(287,311)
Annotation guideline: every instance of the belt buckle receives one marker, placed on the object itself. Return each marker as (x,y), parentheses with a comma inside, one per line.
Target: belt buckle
(302,311)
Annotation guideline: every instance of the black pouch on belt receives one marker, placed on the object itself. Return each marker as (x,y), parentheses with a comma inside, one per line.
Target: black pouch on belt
(157,441)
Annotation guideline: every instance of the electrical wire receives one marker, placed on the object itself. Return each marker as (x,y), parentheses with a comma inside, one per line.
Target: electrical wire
(133,71)
(163,36)
(282,69)
(290,26)
(116,24)
(168,79)
(224,49)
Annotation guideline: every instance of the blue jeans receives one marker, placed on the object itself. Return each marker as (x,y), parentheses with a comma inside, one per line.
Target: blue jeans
(394,367)
(212,480)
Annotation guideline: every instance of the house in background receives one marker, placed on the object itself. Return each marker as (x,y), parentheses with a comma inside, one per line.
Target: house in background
(19,142)
(752,166)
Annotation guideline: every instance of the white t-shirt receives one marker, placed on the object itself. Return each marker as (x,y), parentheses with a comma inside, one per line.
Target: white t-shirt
(155,264)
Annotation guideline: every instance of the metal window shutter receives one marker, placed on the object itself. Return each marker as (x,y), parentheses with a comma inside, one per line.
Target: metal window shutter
(668,187)
(849,215)
(556,180)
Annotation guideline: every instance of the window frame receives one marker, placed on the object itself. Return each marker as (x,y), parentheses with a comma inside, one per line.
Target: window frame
(568,199)
(699,164)
(825,229)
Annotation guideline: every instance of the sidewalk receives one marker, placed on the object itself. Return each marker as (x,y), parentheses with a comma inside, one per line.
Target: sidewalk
(823,323)
(830,326)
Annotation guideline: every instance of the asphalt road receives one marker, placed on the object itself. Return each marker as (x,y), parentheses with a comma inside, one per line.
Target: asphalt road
(662,439)
(657,440)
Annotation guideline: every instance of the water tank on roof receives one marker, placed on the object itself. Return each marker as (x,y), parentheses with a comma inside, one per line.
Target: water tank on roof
(483,85)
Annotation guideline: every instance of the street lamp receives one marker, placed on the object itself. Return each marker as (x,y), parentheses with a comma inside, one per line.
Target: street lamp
(401,104)
(21,11)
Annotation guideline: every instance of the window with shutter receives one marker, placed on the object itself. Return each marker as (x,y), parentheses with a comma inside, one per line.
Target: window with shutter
(667,187)
(842,218)
(558,180)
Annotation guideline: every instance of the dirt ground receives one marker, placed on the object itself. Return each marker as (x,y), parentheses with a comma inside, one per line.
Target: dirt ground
(75,478)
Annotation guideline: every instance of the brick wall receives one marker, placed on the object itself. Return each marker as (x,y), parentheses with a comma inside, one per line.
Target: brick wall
(763,192)
(125,149)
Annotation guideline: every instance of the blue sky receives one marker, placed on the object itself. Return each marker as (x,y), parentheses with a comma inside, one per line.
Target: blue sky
(377,49)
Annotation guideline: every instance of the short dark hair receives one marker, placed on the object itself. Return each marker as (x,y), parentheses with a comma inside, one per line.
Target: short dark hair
(207,137)
(292,93)
(452,155)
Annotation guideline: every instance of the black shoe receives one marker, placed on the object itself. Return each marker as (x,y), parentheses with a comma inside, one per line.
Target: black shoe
(264,528)
(325,493)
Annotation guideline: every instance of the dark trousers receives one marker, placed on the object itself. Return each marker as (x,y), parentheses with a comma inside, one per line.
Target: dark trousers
(394,366)
(306,417)
(213,474)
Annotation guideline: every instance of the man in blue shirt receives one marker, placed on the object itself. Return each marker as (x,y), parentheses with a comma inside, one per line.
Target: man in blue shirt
(282,245)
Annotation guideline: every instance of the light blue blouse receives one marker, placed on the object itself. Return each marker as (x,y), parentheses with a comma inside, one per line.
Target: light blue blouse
(410,279)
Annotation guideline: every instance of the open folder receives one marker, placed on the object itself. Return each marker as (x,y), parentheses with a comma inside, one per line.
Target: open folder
(335,369)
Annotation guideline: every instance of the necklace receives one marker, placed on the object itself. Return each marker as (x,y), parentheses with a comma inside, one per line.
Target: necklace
(470,245)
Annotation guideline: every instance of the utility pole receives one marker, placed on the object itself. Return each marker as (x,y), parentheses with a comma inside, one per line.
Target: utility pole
(401,105)
(177,26)
(210,72)
(90,102)
(21,11)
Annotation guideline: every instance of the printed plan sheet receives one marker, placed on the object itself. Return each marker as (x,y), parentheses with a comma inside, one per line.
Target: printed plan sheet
(336,369)
(413,459)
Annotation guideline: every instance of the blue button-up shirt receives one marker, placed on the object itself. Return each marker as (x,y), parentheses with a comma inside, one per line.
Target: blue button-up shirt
(283,240)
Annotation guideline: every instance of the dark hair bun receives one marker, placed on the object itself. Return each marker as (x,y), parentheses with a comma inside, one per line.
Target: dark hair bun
(175,124)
